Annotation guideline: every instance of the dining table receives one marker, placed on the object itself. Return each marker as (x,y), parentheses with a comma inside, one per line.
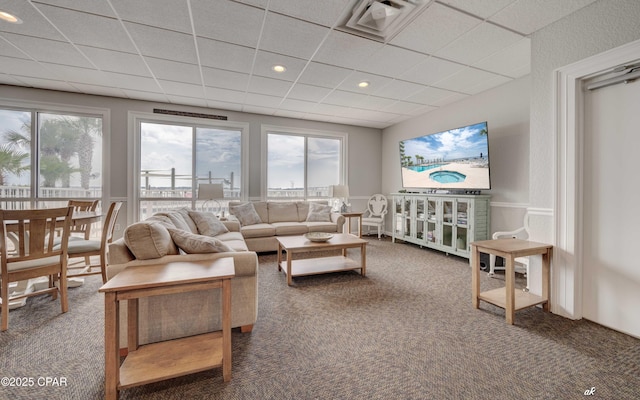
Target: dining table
(77,218)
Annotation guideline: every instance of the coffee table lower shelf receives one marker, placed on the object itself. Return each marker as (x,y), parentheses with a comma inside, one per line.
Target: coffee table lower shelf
(322,265)
(165,360)
(523,299)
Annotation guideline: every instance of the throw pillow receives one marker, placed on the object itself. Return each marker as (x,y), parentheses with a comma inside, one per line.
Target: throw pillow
(191,243)
(207,223)
(148,240)
(319,213)
(246,214)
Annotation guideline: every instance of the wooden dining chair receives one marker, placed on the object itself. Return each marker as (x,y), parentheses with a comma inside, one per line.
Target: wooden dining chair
(36,253)
(86,248)
(82,230)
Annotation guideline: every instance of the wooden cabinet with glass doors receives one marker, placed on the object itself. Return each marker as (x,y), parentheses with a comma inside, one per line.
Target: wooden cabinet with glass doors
(442,222)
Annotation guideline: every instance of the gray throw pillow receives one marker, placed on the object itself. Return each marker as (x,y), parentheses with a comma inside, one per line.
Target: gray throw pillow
(191,243)
(246,214)
(207,223)
(319,213)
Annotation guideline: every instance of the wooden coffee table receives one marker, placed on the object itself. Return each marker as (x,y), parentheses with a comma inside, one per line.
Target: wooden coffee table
(320,265)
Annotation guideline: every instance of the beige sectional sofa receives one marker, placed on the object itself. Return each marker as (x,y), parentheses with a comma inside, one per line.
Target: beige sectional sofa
(277,218)
(163,238)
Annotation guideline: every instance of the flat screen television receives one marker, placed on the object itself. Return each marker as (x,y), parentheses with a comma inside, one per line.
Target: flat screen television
(456,159)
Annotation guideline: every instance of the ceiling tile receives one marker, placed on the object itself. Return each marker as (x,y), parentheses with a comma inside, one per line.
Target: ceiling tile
(431,70)
(527,16)
(513,61)
(391,61)
(174,71)
(225,79)
(375,82)
(10,80)
(325,12)
(467,79)
(182,89)
(482,8)
(300,91)
(259,110)
(399,90)
(99,90)
(257,3)
(289,114)
(233,96)
(224,106)
(236,58)
(345,50)
(450,99)
(45,83)
(234,23)
(291,37)
(189,101)
(82,75)
(169,14)
(478,43)
(436,27)
(34,24)
(297,105)
(161,43)
(135,83)
(375,103)
(49,50)
(429,95)
(266,60)
(9,50)
(21,67)
(262,100)
(259,84)
(116,61)
(93,7)
(146,96)
(323,75)
(342,98)
(104,32)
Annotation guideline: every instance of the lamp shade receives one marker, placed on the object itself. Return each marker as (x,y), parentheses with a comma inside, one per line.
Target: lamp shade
(210,191)
(340,191)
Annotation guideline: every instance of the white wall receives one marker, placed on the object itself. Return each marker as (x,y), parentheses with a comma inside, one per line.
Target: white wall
(364,144)
(599,27)
(506,109)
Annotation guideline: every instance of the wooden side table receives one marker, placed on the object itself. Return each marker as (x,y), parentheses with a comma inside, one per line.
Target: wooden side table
(158,361)
(508,298)
(349,216)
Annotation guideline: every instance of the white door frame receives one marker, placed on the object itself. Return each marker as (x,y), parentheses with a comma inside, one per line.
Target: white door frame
(568,126)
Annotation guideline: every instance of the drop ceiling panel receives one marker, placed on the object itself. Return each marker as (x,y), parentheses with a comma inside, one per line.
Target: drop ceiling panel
(232,96)
(262,100)
(146,96)
(311,93)
(89,29)
(44,83)
(290,36)
(325,12)
(225,79)
(99,90)
(431,70)
(116,61)
(296,105)
(190,101)
(82,75)
(513,61)
(9,50)
(478,43)
(169,14)
(262,85)
(342,98)
(34,24)
(405,108)
(223,55)
(481,8)
(161,43)
(135,83)
(399,90)
(227,21)
(93,7)
(429,96)
(21,67)
(391,61)
(182,89)
(345,50)
(323,75)
(49,50)
(266,60)
(436,27)
(468,80)
(375,82)
(375,103)
(527,16)
(174,71)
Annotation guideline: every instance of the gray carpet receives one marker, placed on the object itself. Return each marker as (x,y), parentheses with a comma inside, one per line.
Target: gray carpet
(405,331)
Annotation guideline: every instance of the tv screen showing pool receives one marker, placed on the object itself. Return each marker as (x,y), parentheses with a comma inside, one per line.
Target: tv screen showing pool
(454,159)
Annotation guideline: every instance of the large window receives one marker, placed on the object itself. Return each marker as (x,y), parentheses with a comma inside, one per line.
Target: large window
(48,157)
(301,163)
(177,154)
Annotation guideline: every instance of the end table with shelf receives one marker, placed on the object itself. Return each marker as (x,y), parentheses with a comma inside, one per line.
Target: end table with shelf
(507,297)
(164,360)
(348,216)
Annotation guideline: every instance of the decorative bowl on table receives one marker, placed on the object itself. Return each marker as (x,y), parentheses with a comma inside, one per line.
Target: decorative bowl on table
(318,236)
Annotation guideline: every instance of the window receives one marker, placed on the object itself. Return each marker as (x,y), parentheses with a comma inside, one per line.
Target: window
(302,163)
(59,153)
(177,154)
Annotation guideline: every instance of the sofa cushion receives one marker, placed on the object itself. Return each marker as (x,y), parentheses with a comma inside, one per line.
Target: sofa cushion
(192,243)
(282,212)
(290,228)
(147,240)
(321,226)
(246,214)
(258,230)
(319,213)
(207,223)
(184,211)
(177,219)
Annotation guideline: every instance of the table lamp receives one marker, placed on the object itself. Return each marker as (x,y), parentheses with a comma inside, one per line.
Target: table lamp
(340,192)
(210,192)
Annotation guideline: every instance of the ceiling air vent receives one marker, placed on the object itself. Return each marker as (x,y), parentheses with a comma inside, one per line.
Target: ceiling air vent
(382,20)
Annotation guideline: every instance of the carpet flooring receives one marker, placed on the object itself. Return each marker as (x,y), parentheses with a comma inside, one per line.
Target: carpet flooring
(405,331)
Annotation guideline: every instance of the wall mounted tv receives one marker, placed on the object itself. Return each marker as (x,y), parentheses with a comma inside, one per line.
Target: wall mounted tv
(456,159)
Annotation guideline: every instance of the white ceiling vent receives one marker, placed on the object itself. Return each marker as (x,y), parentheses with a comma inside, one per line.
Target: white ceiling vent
(383,19)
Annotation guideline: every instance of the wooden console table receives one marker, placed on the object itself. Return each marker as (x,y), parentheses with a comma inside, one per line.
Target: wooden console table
(158,361)
(508,298)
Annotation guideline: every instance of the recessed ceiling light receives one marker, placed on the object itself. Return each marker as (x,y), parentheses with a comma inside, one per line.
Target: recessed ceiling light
(279,68)
(9,17)
(363,84)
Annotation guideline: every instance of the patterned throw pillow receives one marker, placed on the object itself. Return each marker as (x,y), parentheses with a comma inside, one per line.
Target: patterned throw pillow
(246,214)
(191,243)
(319,213)
(207,223)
